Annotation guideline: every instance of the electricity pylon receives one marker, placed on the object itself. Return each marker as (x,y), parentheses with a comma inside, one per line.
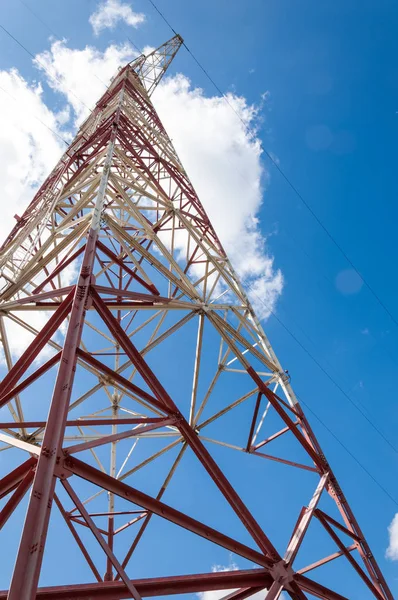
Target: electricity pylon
(147,368)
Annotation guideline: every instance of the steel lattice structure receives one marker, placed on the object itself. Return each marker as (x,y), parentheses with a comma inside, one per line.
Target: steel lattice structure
(118,252)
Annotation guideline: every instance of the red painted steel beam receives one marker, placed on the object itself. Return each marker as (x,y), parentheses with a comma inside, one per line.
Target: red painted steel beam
(162,586)
(272,437)
(186,430)
(253,423)
(64,263)
(326,559)
(285,461)
(184,584)
(10,481)
(77,538)
(34,349)
(120,379)
(123,490)
(118,261)
(316,589)
(115,437)
(28,381)
(275,590)
(349,557)
(338,525)
(296,593)
(16,498)
(27,567)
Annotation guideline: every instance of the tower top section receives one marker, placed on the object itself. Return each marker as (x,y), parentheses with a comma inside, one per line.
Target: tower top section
(151,68)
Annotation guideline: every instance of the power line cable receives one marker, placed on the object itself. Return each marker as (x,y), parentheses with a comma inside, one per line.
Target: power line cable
(41,64)
(163,17)
(51,30)
(334,241)
(382,488)
(275,163)
(40,19)
(315,269)
(35,117)
(285,177)
(134,45)
(322,368)
(345,395)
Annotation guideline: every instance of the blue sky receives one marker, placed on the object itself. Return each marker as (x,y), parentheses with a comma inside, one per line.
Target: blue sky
(330,118)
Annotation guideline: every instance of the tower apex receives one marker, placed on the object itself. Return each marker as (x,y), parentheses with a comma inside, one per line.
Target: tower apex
(151,67)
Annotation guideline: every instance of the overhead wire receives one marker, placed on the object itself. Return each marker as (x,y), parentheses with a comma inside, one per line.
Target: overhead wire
(285,177)
(39,18)
(359,463)
(134,45)
(225,98)
(380,433)
(275,163)
(51,30)
(322,368)
(315,269)
(36,117)
(338,246)
(34,57)
(41,64)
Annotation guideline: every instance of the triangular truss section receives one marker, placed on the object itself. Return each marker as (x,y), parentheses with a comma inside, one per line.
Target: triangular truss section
(145,367)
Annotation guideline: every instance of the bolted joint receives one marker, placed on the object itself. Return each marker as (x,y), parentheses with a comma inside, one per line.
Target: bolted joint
(115,399)
(282,573)
(105,380)
(61,470)
(178,417)
(47,452)
(284,376)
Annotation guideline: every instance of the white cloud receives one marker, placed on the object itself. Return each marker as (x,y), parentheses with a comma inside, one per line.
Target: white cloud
(223,161)
(221,157)
(220,152)
(219,594)
(110,12)
(19,338)
(28,150)
(82,75)
(392,550)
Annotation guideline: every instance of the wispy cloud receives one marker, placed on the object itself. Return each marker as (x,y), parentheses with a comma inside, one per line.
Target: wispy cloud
(221,153)
(218,594)
(109,13)
(392,550)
